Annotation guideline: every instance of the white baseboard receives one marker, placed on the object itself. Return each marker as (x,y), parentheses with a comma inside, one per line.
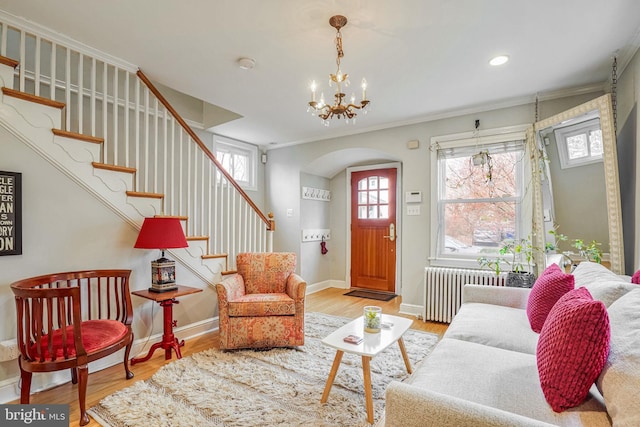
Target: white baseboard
(412,309)
(317,287)
(10,388)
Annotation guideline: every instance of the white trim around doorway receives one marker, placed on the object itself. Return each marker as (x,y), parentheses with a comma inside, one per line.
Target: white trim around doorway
(398,167)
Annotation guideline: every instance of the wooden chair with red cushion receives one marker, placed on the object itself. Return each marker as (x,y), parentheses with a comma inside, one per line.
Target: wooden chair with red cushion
(67,320)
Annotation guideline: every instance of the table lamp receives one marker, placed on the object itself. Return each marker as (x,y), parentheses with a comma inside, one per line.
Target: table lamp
(163,234)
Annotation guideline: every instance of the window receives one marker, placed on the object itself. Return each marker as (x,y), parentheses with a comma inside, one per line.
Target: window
(477,196)
(373,198)
(579,144)
(239,159)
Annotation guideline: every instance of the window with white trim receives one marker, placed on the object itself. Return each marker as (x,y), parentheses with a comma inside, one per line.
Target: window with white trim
(239,159)
(579,144)
(478,196)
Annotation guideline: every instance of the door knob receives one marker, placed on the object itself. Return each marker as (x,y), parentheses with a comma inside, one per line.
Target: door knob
(392,233)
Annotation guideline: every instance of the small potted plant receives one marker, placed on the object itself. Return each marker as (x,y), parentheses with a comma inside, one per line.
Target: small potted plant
(517,258)
(372,319)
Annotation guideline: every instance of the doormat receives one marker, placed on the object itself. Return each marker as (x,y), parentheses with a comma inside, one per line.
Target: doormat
(380,296)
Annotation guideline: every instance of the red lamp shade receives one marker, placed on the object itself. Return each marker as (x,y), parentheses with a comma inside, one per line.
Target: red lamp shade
(161,233)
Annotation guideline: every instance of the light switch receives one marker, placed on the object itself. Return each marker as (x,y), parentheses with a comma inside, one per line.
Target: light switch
(413,209)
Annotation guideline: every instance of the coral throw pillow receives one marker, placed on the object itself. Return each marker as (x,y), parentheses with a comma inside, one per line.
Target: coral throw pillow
(546,291)
(572,349)
(636,278)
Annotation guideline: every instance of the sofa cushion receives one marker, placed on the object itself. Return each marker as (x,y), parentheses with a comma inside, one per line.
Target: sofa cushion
(546,291)
(262,305)
(619,381)
(494,325)
(502,379)
(572,349)
(603,284)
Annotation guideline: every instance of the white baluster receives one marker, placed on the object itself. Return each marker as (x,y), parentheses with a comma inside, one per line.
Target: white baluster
(37,67)
(80,90)
(92,99)
(126,118)
(52,82)
(23,60)
(67,92)
(116,102)
(105,126)
(137,130)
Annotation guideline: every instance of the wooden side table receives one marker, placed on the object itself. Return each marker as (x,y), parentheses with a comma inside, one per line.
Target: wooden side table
(166,301)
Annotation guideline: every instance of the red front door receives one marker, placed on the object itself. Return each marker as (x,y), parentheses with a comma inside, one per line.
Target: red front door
(373,229)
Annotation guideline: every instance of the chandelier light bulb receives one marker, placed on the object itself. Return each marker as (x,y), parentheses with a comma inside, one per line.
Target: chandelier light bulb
(313,91)
(364,89)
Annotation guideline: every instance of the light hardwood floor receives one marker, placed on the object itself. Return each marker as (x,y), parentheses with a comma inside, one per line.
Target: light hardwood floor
(105,382)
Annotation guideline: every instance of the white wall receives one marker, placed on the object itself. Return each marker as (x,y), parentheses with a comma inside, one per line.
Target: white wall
(314,214)
(64,229)
(285,165)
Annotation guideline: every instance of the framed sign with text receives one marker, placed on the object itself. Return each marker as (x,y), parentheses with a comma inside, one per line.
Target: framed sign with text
(10,213)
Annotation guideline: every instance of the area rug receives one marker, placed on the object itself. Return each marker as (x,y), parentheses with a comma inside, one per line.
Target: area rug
(380,296)
(262,388)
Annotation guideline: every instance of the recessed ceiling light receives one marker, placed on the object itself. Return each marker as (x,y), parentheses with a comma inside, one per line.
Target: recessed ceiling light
(499,60)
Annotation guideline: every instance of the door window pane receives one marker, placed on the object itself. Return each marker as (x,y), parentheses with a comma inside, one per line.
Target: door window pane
(384,182)
(373,182)
(384,196)
(362,212)
(362,197)
(362,184)
(384,211)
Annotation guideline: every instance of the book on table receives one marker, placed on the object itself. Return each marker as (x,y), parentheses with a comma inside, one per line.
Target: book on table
(353,339)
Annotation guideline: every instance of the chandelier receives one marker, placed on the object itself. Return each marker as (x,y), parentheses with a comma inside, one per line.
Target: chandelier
(339,108)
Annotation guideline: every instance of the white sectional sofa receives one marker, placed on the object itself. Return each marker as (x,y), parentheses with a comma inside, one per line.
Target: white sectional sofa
(484,370)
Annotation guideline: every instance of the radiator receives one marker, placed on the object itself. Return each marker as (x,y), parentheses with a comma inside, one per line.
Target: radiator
(443,289)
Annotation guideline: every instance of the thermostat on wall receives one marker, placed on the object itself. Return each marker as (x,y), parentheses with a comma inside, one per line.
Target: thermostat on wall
(413,197)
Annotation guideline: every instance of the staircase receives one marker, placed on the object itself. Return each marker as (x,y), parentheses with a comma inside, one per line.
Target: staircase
(102,122)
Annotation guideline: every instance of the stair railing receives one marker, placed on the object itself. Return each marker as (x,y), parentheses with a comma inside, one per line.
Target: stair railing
(109,98)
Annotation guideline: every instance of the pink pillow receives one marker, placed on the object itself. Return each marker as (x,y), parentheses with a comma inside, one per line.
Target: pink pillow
(572,348)
(636,278)
(546,291)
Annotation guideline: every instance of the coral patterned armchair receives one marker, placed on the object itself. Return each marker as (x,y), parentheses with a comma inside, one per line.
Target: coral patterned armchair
(263,304)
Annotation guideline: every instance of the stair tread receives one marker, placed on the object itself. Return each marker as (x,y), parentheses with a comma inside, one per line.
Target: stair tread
(78,136)
(212,256)
(143,194)
(8,61)
(33,98)
(115,168)
(180,217)
(227,272)
(197,237)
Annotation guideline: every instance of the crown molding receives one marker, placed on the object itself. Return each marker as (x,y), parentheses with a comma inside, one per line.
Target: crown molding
(473,109)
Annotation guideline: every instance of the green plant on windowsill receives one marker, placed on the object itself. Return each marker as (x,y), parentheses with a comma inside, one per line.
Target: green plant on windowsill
(590,251)
(517,257)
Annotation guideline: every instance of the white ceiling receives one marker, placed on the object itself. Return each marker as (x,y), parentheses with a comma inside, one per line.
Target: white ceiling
(422,58)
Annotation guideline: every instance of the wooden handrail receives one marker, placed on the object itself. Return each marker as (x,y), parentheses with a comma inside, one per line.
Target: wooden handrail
(192,134)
